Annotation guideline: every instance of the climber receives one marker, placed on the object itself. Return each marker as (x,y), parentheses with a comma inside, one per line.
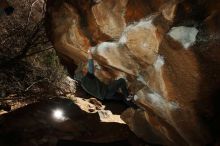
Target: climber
(92,85)
(5,7)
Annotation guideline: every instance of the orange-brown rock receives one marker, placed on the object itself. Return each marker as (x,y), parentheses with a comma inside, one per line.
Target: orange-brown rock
(168,50)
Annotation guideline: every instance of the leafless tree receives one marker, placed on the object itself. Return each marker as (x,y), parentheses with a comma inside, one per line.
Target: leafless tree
(29,66)
(22,32)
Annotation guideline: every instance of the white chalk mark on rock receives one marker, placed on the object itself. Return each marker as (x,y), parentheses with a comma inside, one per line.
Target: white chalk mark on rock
(158,63)
(185,35)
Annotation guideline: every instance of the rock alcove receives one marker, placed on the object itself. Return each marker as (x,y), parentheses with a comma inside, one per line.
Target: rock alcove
(167,50)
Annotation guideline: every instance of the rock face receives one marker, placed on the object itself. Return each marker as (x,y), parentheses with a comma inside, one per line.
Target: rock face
(168,50)
(59,121)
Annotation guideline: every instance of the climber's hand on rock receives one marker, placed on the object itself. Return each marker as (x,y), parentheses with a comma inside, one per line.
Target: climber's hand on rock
(89,53)
(90,50)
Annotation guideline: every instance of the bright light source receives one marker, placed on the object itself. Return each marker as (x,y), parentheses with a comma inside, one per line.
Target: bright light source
(58,114)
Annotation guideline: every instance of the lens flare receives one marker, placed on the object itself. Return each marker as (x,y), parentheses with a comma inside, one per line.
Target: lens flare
(58,114)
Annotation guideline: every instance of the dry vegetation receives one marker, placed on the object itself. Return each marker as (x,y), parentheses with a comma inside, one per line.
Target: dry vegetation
(29,68)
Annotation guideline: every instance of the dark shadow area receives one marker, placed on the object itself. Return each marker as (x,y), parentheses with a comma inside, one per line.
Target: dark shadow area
(62,142)
(208,107)
(116,107)
(35,124)
(9,10)
(80,92)
(77,143)
(190,17)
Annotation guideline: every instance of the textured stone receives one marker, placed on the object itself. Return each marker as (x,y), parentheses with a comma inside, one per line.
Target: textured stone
(109,16)
(177,88)
(36,125)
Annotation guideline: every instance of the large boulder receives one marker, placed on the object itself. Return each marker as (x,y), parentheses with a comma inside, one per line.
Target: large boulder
(166,49)
(55,121)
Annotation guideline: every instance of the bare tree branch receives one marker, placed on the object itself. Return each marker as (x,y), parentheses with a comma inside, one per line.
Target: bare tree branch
(34,53)
(31,8)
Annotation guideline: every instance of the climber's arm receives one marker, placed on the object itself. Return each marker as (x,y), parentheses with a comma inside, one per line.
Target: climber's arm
(90,62)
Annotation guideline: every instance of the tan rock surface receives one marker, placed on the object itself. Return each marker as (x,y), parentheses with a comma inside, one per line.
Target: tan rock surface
(176,84)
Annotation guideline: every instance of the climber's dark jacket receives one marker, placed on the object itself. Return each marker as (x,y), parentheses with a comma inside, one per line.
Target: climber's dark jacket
(91,84)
